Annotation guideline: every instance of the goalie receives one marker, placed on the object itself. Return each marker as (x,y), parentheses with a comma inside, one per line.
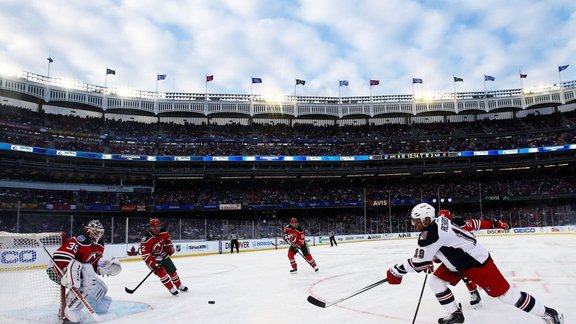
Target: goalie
(79,260)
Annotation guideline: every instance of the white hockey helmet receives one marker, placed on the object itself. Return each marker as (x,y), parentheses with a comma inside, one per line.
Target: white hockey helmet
(423,211)
(94,230)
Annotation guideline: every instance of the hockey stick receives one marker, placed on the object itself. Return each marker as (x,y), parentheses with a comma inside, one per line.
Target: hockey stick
(73,289)
(420,299)
(316,302)
(131,291)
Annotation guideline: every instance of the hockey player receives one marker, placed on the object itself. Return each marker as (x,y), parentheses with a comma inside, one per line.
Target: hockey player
(156,248)
(79,260)
(294,235)
(461,255)
(472,225)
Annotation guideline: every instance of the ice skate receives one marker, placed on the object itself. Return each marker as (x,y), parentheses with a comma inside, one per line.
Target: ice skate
(551,316)
(475,299)
(456,317)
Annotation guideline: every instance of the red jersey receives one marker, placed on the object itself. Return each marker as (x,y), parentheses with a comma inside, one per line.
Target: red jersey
(294,235)
(156,247)
(476,224)
(79,248)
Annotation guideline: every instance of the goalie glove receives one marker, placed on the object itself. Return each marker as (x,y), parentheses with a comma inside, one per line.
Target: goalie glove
(394,275)
(72,277)
(501,224)
(110,268)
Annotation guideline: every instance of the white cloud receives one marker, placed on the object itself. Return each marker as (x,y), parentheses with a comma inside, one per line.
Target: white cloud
(321,41)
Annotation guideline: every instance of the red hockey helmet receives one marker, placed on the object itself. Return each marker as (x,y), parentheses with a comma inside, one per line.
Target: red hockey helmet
(293,220)
(154,222)
(446,213)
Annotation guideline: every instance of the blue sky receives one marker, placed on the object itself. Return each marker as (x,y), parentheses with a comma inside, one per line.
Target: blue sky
(320,41)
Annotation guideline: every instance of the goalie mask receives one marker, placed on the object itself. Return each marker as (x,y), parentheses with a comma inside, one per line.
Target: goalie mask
(94,230)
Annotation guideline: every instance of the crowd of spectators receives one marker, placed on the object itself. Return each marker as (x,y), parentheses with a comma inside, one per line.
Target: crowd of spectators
(342,222)
(329,191)
(21,126)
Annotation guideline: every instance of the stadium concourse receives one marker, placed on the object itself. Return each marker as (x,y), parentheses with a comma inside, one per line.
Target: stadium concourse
(256,288)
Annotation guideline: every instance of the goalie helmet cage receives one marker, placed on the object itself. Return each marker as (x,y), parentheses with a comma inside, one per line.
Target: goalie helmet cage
(28,293)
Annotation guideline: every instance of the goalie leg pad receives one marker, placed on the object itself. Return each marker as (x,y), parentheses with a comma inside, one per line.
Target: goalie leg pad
(92,286)
(73,309)
(102,305)
(72,275)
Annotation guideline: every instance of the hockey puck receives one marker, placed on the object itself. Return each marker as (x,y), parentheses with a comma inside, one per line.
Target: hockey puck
(211,302)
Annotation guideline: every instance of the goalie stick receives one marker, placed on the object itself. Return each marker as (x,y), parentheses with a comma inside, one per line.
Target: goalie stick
(131,291)
(316,302)
(75,290)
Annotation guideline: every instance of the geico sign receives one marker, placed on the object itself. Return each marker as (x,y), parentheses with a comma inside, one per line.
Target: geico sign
(525,230)
(25,256)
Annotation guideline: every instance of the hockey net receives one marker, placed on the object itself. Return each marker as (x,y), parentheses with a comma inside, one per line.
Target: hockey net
(27,292)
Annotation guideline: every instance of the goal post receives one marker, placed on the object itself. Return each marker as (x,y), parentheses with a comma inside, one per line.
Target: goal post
(28,293)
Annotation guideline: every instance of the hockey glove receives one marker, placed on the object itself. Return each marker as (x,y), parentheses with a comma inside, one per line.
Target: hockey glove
(110,268)
(501,224)
(170,249)
(153,264)
(394,275)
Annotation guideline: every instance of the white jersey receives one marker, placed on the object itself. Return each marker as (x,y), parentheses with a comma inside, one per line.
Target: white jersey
(454,246)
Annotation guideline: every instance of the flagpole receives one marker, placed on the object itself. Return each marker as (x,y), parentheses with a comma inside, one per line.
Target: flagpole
(370,86)
(251,97)
(562,100)
(455,95)
(49,62)
(485,96)
(206,95)
(156,86)
(413,99)
(522,99)
(295,85)
(105,79)
(339,87)
(371,100)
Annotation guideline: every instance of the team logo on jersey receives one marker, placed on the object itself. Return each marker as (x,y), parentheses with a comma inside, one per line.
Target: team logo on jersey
(423,235)
(143,239)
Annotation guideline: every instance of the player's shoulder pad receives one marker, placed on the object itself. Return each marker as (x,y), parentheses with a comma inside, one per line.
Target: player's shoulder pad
(82,239)
(146,237)
(429,235)
(458,221)
(299,228)
(163,231)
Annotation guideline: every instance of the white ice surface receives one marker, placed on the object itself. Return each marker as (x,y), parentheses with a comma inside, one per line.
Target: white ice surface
(257,288)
